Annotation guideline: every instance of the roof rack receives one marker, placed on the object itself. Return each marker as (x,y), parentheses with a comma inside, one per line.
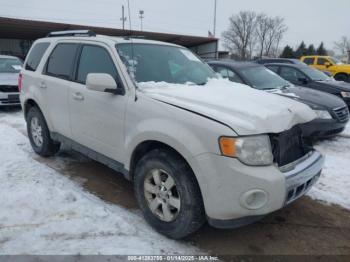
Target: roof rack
(72,33)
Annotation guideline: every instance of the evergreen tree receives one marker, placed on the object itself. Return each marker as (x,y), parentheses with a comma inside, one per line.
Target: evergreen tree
(311,50)
(321,50)
(288,52)
(301,50)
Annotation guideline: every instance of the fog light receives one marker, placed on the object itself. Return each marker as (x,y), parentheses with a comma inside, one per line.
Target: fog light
(254,199)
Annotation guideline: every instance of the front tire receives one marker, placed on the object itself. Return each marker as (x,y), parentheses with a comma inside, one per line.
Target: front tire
(168,194)
(39,134)
(341,77)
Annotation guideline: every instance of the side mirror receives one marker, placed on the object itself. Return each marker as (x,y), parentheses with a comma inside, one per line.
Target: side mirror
(303,80)
(327,64)
(103,83)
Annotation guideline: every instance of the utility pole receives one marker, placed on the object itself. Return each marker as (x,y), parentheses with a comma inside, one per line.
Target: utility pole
(141,15)
(123,18)
(214,31)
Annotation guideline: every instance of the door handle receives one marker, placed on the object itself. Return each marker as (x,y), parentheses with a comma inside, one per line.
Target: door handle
(78,96)
(43,85)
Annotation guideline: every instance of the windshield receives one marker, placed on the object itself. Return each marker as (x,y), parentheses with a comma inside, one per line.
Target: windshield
(161,63)
(263,78)
(10,65)
(314,74)
(335,61)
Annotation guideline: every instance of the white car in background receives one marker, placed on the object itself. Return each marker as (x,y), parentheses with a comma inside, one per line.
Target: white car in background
(9,72)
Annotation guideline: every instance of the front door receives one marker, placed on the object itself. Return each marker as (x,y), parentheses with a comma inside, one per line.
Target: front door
(97,118)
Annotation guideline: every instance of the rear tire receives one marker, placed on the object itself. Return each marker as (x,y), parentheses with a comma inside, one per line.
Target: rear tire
(39,134)
(341,77)
(178,210)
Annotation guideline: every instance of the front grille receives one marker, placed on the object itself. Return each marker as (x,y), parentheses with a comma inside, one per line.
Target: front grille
(299,190)
(8,89)
(342,114)
(289,146)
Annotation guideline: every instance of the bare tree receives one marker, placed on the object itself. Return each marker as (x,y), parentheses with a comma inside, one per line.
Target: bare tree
(275,32)
(249,31)
(343,46)
(240,37)
(262,30)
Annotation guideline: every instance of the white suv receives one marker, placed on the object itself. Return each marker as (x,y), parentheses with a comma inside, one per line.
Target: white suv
(196,147)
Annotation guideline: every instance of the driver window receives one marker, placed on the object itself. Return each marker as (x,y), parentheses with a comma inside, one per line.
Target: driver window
(229,74)
(291,74)
(322,61)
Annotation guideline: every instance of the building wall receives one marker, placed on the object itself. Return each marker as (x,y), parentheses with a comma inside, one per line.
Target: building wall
(206,51)
(15,47)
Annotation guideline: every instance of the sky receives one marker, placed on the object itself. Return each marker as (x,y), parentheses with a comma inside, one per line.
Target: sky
(310,20)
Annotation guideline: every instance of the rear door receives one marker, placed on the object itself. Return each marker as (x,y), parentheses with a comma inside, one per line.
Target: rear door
(55,82)
(97,118)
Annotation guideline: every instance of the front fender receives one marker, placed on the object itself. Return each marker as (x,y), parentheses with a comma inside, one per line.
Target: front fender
(175,135)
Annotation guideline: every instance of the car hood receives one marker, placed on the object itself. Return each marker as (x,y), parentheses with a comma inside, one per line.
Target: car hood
(338,85)
(246,110)
(311,97)
(9,79)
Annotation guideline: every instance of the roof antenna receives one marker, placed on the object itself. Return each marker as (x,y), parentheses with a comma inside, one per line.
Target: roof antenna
(132,51)
(129,16)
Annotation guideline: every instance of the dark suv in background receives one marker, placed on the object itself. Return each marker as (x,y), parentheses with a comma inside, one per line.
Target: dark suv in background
(332,112)
(312,78)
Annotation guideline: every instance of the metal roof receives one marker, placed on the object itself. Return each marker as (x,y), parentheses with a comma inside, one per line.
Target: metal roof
(12,28)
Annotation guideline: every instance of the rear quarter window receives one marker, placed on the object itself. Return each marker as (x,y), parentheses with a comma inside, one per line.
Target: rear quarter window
(35,56)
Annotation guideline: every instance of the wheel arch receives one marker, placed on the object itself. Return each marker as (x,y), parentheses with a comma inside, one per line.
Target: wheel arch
(146,146)
(28,104)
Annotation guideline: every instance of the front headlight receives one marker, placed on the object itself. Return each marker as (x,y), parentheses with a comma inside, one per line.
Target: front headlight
(345,94)
(323,114)
(250,150)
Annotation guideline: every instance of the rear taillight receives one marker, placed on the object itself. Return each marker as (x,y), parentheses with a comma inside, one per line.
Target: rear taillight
(20,82)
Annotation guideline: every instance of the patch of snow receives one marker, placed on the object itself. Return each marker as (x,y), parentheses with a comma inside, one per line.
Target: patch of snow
(283,93)
(334,184)
(244,109)
(43,212)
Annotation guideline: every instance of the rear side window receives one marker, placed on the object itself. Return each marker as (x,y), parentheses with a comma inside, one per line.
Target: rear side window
(61,61)
(309,61)
(95,59)
(35,56)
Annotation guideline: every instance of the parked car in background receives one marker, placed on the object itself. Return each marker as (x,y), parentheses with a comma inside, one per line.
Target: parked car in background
(339,70)
(10,67)
(311,78)
(264,61)
(332,112)
(196,148)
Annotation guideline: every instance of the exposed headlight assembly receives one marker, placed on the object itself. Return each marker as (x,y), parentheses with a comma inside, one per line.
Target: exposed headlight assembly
(323,114)
(250,150)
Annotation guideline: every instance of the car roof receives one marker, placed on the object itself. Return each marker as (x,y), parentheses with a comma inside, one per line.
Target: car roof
(289,65)
(8,56)
(105,38)
(314,56)
(234,64)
